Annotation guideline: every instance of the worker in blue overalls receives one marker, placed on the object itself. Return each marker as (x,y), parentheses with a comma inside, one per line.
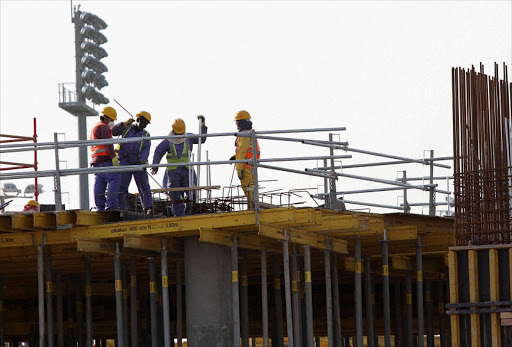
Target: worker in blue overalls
(178,151)
(135,153)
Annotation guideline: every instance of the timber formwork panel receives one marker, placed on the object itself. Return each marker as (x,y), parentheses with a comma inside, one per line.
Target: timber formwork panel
(480,297)
(94,235)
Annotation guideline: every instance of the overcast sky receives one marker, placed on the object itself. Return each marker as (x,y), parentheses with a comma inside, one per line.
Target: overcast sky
(381,69)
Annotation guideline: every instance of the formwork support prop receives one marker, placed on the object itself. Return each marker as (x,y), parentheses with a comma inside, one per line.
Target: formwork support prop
(153,302)
(134,328)
(235,294)
(419,291)
(165,297)
(358,293)
(88,302)
(49,297)
(119,297)
(368,298)
(336,300)
(40,290)
(385,291)
(309,296)
(287,296)
(244,299)
(264,297)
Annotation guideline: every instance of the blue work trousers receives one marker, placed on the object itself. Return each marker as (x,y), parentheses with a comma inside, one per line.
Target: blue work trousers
(142,181)
(179,178)
(106,182)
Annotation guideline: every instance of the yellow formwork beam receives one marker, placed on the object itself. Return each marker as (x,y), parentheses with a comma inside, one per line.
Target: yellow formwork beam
(225,238)
(409,232)
(151,243)
(399,263)
(49,220)
(473,296)
(454,297)
(96,246)
(304,238)
(495,296)
(95,218)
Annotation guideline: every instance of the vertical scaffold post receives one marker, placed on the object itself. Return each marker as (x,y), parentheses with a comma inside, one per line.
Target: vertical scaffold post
(358,294)
(79,308)
(328,296)
(152,302)
(49,297)
(398,313)
(264,297)
(428,312)
(419,291)
(244,298)
(368,299)
(165,296)
(179,304)
(309,295)
(333,201)
(385,291)
(2,332)
(432,196)
(88,302)
(57,187)
(336,300)
(234,287)
(441,311)
(124,280)
(60,308)
(134,310)
(277,327)
(69,308)
(287,294)
(295,298)
(119,297)
(40,290)
(408,303)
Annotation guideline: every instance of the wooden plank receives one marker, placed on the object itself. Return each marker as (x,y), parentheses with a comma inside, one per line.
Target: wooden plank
(96,246)
(494,291)
(473,296)
(454,297)
(152,243)
(399,263)
(504,315)
(506,322)
(409,232)
(225,238)
(304,238)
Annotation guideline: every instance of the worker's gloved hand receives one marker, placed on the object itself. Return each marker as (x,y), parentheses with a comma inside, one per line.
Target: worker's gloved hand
(115,161)
(233,158)
(201,117)
(240,174)
(154,170)
(128,121)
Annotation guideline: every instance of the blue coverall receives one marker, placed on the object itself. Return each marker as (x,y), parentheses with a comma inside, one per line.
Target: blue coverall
(178,177)
(134,153)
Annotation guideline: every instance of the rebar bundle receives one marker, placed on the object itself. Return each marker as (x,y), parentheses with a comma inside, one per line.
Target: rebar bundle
(482,156)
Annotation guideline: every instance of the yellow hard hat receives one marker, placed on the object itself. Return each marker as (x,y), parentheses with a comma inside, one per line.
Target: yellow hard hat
(110,112)
(32,203)
(242,115)
(179,126)
(145,115)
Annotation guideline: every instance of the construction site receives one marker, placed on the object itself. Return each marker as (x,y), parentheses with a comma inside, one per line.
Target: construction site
(240,265)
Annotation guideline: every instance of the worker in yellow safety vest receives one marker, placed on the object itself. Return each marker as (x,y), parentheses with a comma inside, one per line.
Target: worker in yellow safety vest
(245,149)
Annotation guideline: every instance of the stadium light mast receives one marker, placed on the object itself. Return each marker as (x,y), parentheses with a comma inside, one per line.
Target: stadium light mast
(89,80)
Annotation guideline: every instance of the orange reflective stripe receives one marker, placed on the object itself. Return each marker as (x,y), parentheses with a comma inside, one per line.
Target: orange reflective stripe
(99,150)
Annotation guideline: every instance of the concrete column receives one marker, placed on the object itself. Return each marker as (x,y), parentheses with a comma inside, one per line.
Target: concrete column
(209,294)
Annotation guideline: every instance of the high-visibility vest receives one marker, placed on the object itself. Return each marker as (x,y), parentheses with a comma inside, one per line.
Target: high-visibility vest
(123,135)
(250,151)
(172,156)
(99,150)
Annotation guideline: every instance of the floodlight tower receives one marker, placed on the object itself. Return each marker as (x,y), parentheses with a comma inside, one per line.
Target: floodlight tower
(89,79)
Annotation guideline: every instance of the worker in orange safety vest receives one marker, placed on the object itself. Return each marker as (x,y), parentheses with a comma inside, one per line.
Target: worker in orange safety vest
(245,149)
(103,156)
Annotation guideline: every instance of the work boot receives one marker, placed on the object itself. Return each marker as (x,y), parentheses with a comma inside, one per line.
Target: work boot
(148,210)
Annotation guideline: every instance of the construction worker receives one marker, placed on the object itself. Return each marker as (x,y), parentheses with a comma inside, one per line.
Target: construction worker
(245,149)
(31,206)
(178,151)
(103,156)
(135,153)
